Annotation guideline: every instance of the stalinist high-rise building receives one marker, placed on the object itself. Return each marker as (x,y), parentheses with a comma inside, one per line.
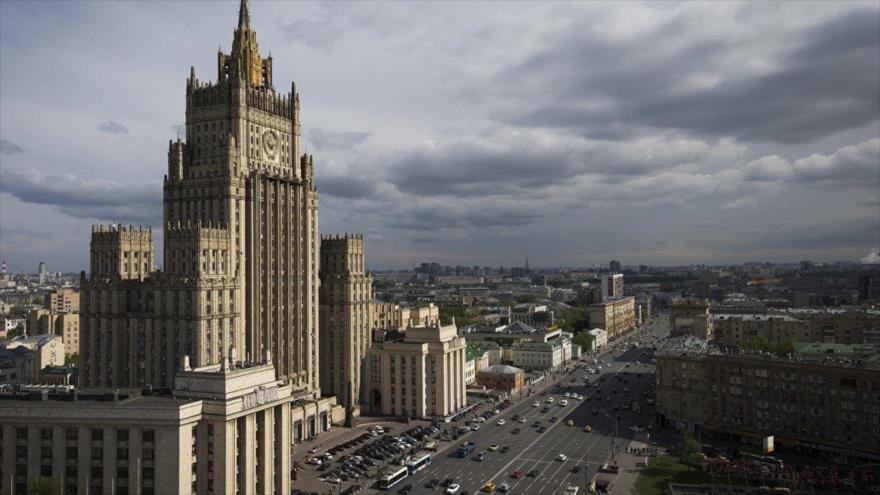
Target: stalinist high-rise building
(240,277)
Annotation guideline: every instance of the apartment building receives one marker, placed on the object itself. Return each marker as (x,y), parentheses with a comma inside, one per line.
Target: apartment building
(617,316)
(826,398)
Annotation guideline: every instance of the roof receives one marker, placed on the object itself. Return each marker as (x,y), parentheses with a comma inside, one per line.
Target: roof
(501,369)
(477,349)
(519,327)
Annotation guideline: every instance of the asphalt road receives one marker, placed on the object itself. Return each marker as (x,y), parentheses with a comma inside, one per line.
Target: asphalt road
(530,450)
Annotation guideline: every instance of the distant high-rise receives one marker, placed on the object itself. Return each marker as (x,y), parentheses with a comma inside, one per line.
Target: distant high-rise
(41,272)
(612,285)
(614,266)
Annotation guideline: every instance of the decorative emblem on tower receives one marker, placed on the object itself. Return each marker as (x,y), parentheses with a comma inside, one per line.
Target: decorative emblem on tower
(270,143)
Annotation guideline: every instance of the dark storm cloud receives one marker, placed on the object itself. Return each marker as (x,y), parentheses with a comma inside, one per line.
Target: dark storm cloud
(112,127)
(81,198)
(10,148)
(326,140)
(431,217)
(852,231)
(610,89)
(346,186)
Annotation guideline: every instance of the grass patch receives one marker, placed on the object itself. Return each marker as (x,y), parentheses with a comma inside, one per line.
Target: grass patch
(661,470)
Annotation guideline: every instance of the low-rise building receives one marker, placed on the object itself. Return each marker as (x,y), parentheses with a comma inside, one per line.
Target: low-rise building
(600,339)
(538,355)
(536,315)
(477,358)
(16,366)
(48,350)
(502,377)
(820,397)
(419,373)
(392,316)
(738,329)
(617,316)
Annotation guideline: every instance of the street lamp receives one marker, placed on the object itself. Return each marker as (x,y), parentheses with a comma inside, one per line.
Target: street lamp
(614,438)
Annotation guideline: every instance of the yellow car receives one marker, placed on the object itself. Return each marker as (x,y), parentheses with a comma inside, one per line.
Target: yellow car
(569,422)
(588,429)
(489,487)
(493,447)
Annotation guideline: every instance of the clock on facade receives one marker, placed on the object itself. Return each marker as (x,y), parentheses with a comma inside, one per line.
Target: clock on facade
(270,143)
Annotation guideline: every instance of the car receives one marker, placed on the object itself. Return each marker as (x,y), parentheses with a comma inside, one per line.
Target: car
(533,473)
(489,487)
(333,480)
(314,461)
(570,422)
(517,474)
(505,449)
(521,420)
(405,490)
(568,394)
(536,404)
(480,457)
(515,431)
(315,449)
(542,429)
(501,422)
(575,470)
(494,447)
(588,429)
(448,482)
(550,399)
(562,457)
(563,403)
(453,488)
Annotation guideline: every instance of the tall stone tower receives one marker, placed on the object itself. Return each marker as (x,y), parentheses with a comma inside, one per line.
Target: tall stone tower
(346,292)
(240,273)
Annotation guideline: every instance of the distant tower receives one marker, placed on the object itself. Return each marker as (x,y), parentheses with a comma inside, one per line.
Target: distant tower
(344,323)
(3,269)
(41,272)
(614,266)
(527,262)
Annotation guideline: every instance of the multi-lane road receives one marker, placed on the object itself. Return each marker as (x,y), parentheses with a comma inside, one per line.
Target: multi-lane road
(537,452)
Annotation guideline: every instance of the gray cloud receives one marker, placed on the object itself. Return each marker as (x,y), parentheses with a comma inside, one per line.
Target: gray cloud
(10,148)
(326,140)
(83,198)
(112,127)
(857,165)
(612,89)
(346,186)
(318,31)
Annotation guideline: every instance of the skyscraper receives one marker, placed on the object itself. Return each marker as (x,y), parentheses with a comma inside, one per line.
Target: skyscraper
(240,243)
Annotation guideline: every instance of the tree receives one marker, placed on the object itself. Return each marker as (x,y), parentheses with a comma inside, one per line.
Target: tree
(72,360)
(688,451)
(574,320)
(584,339)
(43,485)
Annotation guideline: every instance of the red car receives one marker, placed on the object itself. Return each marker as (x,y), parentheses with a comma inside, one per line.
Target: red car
(517,474)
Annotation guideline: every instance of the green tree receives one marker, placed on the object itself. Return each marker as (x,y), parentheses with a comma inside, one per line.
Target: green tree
(460,315)
(43,485)
(72,359)
(688,450)
(583,339)
(574,320)
(18,310)
(525,298)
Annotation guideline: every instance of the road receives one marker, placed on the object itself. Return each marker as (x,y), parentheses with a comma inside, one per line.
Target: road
(530,450)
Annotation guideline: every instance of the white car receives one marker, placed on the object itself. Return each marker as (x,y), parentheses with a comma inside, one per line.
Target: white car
(314,461)
(562,457)
(550,400)
(568,394)
(563,403)
(453,488)
(522,420)
(504,487)
(536,404)
(334,480)
(480,419)
(501,422)
(315,449)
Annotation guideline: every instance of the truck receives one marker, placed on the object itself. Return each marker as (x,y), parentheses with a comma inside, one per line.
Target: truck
(465,449)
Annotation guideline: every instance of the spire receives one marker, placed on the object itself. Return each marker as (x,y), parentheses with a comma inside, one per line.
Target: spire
(244,16)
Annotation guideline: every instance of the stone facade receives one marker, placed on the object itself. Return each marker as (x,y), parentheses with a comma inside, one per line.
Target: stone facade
(240,243)
(616,316)
(345,295)
(502,378)
(419,375)
(391,316)
(690,317)
(64,325)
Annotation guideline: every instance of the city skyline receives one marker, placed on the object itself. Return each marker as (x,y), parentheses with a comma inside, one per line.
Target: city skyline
(542,129)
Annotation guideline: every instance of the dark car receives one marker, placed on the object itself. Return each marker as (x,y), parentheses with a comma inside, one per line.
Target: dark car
(405,490)
(533,473)
(575,470)
(433,483)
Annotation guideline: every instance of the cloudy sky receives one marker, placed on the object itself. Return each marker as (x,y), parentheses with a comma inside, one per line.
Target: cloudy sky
(471,133)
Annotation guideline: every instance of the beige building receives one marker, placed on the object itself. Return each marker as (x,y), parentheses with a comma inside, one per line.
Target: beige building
(617,316)
(48,350)
(63,300)
(223,430)
(64,325)
(345,333)
(739,328)
(690,317)
(240,243)
(827,398)
(418,373)
(392,316)
(612,285)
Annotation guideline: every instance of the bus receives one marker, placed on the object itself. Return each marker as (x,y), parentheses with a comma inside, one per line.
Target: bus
(392,477)
(465,449)
(418,462)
